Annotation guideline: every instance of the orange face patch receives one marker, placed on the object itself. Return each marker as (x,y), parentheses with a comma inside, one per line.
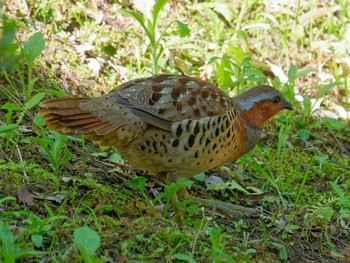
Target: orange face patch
(260,113)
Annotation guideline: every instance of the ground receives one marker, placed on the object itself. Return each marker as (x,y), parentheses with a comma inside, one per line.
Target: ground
(64,199)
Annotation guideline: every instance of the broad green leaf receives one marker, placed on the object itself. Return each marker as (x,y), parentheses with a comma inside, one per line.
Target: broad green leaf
(304,134)
(116,158)
(37,240)
(39,121)
(34,100)
(236,54)
(7,48)
(183,29)
(337,189)
(334,124)
(11,107)
(8,128)
(157,8)
(7,243)
(87,240)
(200,177)
(33,47)
(215,236)
(138,183)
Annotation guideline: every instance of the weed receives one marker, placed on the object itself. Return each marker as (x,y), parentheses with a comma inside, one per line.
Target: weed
(53,148)
(10,250)
(149,21)
(30,50)
(87,241)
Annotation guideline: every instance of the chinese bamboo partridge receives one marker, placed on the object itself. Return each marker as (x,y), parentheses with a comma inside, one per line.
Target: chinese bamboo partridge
(172,126)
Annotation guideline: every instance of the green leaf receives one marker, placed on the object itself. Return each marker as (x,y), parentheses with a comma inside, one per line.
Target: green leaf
(157,8)
(34,100)
(234,185)
(33,47)
(215,236)
(8,128)
(304,134)
(170,190)
(135,15)
(224,73)
(325,212)
(291,227)
(37,240)
(184,31)
(200,177)
(87,240)
(39,121)
(8,244)
(138,183)
(139,19)
(65,158)
(334,124)
(116,158)
(11,107)
(185,258)
(307,105)
(283,251)
(292,73)
(337,189)
(99,154)
(326,88)
(304,71)
(236,54)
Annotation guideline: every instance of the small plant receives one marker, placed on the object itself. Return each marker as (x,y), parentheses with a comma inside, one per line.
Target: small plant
(342,197)
(8,252)
(282,249)
(87,241)
(53,149)
(139,184)
(30,50)
(9,249)
(171,190)
(149,22)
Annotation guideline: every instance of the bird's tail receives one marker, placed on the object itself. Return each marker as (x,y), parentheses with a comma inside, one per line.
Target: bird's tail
(65,115)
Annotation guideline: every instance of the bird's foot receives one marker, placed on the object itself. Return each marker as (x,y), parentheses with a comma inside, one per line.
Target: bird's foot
(235,211)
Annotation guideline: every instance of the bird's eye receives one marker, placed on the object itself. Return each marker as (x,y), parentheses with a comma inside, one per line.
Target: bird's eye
(276,99)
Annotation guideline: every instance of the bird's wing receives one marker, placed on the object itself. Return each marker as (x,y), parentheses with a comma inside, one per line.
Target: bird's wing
(163,99)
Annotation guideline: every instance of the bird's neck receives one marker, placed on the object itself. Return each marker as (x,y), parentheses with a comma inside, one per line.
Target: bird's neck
(252,138)
(254,118)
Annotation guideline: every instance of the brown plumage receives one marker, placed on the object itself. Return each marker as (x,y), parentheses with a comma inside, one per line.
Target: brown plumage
(171,126)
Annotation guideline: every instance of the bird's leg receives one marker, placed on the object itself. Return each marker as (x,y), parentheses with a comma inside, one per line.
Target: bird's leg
(236,211)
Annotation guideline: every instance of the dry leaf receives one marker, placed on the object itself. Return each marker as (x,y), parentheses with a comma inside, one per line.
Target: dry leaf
(25,196)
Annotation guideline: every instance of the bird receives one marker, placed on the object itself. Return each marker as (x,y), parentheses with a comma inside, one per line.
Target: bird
(172,126)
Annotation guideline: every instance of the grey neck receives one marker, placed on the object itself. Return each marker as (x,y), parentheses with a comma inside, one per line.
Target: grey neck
(253,136)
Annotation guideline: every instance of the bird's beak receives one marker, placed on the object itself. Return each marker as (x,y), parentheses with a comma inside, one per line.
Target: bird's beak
(285,105)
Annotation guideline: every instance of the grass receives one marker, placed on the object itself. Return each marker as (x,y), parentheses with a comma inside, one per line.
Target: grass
(66,200)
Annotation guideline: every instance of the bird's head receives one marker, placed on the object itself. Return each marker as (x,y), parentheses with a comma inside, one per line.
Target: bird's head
(260,103)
